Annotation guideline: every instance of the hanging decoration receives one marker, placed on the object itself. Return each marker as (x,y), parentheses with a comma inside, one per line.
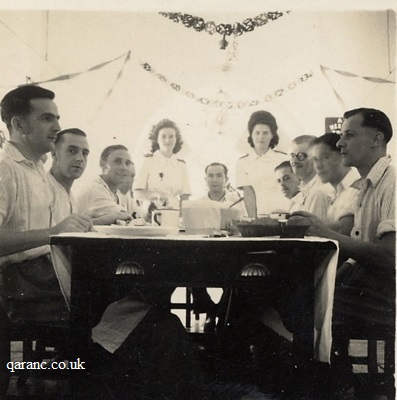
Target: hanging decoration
(351,75)
(74,75)
(235,29)
(324,70)
(118,77)
(227,104)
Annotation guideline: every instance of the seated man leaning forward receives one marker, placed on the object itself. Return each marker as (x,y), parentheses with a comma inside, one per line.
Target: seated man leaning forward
(100,199)
(288,181)
(29,290)
(365,294)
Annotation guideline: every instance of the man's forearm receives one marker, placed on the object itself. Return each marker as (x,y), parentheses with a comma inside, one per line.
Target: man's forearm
(15,242)
(381,254)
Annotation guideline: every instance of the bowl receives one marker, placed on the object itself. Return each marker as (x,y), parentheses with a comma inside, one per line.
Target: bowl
(262,227)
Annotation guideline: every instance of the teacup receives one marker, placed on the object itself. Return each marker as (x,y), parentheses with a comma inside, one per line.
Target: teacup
(168,218)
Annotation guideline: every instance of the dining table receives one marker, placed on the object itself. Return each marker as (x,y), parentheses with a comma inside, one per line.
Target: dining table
(95,268)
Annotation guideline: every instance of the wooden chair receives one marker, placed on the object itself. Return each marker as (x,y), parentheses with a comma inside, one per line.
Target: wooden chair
(39,342)
(378,376)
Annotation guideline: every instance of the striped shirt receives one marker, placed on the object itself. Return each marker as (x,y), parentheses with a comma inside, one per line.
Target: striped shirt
(375,214)
(26,199)
(63,201)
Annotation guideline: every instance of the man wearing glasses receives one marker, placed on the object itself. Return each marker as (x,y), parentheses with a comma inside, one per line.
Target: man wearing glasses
(312,197)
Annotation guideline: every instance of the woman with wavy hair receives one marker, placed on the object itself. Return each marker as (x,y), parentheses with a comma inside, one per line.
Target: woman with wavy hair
(163,176)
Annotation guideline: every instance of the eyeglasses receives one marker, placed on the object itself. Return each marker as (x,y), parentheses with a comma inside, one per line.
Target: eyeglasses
(299,156)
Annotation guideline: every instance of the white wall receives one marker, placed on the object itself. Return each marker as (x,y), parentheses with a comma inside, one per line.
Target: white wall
(270,57)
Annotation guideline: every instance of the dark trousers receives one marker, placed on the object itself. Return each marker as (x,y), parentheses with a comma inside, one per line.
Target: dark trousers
(156,361)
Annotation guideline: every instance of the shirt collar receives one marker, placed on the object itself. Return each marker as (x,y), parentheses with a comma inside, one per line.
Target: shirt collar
(309,185)
(256,156)
(158,154)
(378,169)
(12,152)
(347,181)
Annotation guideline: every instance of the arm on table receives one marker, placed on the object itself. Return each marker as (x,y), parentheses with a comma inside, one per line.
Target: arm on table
(15,242)
(344,225)
(381,253)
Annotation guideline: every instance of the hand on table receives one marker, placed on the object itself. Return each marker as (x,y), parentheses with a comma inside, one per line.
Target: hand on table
(111,218)
(316,226)
(73,223)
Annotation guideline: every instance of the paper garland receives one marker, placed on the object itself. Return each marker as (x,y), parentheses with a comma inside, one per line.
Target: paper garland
(237,28)
(227,104)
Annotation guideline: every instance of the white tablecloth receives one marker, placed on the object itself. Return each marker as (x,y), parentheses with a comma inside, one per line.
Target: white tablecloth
(115,315)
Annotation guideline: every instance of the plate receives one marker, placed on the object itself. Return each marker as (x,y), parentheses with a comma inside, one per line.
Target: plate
(128,231)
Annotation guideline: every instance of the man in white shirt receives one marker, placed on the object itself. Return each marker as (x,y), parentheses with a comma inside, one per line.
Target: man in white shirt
(327,161)
(288,181)
(218,190)
(69,160)
(365,298)
(312,197)
(29,289)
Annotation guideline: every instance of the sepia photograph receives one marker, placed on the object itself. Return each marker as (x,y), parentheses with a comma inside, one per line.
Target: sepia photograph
(197,200)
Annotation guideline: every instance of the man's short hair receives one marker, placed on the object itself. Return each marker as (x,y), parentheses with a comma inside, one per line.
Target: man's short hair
(217,164)
(74,131)
(17,101)
(373,119)
(284,164)
(304,139)
(109,150)
(329,139)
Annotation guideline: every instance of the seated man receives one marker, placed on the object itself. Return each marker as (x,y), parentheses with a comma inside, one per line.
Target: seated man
(312,196)
(288,181)
(100,199)
(126,197)
(327,161)
(217,180)
(69,160)
(29,289)
(365,296)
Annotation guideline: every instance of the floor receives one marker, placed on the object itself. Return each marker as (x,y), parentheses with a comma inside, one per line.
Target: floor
(232,385)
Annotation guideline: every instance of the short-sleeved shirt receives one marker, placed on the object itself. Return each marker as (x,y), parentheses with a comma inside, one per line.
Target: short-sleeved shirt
(163,175)
(258,171)
(129,204)
(26,199)
(64,204)
(97,199)
(228,199)
(376,205)
(312,198)
(344,199)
